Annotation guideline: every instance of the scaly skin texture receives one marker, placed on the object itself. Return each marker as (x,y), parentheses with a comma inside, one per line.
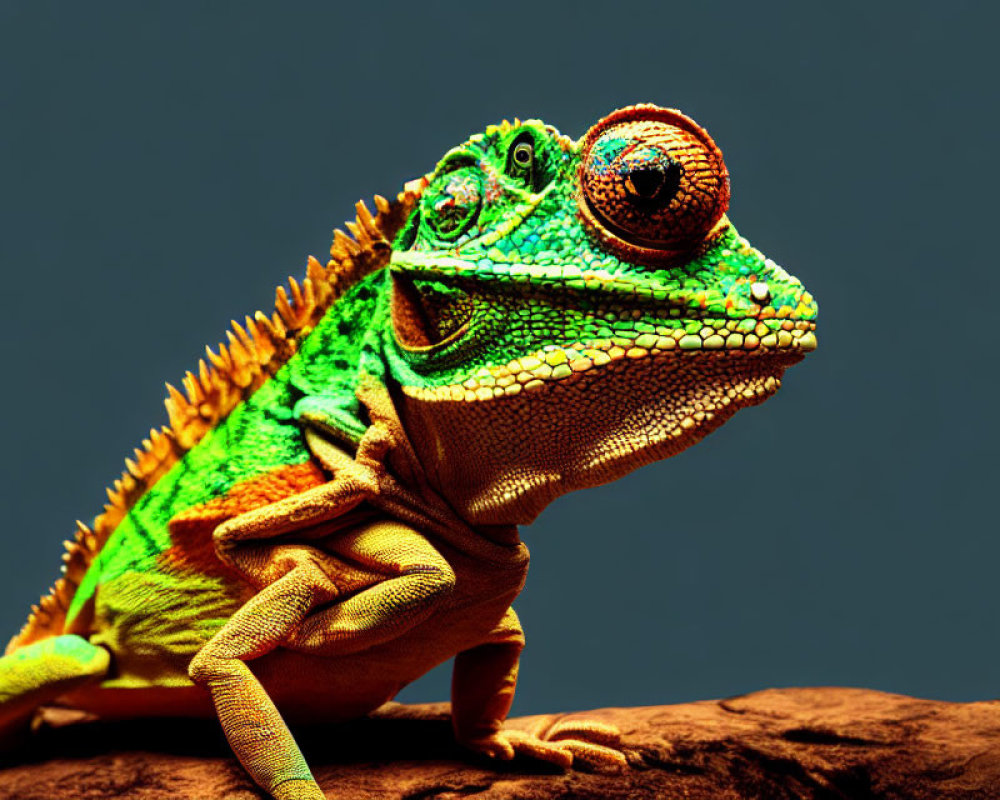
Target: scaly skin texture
(333,509)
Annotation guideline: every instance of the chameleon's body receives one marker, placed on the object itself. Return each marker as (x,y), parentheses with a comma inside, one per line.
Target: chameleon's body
(335,500)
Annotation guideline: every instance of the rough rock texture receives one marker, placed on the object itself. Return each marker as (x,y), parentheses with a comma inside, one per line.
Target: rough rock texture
(776,744)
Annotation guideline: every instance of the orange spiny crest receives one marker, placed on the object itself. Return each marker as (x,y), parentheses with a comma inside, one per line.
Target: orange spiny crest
(296,305)
(49,613)
(252,353)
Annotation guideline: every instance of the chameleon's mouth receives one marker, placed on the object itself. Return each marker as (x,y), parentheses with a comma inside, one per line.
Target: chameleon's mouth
(778,342)
(428,315)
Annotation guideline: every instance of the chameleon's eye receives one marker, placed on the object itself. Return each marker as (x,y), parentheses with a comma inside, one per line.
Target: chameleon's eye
(523,154)
(521,158)
(653,182)
(451,202)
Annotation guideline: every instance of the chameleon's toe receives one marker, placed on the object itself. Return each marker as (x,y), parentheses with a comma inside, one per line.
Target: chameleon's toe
(590,730)
(594,757)
(526,744)
(593,744)
(504,745)
(563,742)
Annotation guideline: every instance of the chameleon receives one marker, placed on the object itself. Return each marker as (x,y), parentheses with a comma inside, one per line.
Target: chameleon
(334,506)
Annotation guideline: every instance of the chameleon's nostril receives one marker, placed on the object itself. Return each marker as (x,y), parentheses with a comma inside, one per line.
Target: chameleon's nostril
(760,291)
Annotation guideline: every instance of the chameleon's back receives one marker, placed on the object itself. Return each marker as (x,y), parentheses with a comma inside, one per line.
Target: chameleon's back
(147,567)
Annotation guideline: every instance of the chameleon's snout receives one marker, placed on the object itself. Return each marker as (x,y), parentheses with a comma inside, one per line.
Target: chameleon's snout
(652,183)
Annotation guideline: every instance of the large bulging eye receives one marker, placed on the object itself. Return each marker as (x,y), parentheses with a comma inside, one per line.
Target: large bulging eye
(451,203)
(651,180)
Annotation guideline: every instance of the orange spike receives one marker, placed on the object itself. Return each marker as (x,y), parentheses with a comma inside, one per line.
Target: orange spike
(314,270)
(308,296)
(193,388)
(261,346)
(358,233)
(268,326)
(160,441)
(283,307)
(177,407)
(245,339)
(367,222)
(294,291)
(343,246)
(242,370)
(204,376)
(220,361)
(279,324)
(176,397)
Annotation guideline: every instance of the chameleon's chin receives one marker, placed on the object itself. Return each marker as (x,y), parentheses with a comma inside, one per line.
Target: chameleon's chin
(688,415)
(502,460)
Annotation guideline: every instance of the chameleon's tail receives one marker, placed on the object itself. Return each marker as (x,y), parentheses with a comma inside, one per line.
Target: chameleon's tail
(40,672)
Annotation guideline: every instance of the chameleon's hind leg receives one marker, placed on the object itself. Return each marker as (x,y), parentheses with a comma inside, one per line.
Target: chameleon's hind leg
(40,672)
(252,724)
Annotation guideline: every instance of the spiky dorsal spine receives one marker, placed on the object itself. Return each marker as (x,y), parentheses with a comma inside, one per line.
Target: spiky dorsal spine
(253,352)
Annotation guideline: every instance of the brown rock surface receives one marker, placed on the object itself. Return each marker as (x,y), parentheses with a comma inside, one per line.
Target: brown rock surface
(776,744)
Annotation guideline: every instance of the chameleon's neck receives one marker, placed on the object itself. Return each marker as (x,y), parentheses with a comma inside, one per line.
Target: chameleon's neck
(340,385)
(405,490)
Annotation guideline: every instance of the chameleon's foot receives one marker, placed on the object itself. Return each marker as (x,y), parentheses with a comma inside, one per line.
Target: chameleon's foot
(566,743)
(298,789)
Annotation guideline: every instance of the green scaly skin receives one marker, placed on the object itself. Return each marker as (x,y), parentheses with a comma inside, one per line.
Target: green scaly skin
(527,353)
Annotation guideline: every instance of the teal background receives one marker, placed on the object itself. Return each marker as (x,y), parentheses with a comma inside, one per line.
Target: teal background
(163,166)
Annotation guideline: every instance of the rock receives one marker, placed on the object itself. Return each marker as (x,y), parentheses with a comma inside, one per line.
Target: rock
(777,744)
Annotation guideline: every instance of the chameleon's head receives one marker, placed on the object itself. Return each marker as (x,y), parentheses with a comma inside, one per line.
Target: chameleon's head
(564,312)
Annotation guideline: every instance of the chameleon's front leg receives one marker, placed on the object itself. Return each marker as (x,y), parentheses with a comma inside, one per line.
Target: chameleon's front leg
(400,581)
(482,691)
(255,730)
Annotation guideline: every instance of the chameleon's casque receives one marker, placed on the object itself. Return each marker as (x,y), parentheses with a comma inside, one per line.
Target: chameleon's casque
(331,511)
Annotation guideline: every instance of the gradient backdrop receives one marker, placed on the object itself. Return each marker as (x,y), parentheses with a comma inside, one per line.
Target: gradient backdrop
(162,168)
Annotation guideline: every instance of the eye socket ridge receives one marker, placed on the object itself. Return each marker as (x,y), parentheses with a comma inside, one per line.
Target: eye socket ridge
(456,159)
